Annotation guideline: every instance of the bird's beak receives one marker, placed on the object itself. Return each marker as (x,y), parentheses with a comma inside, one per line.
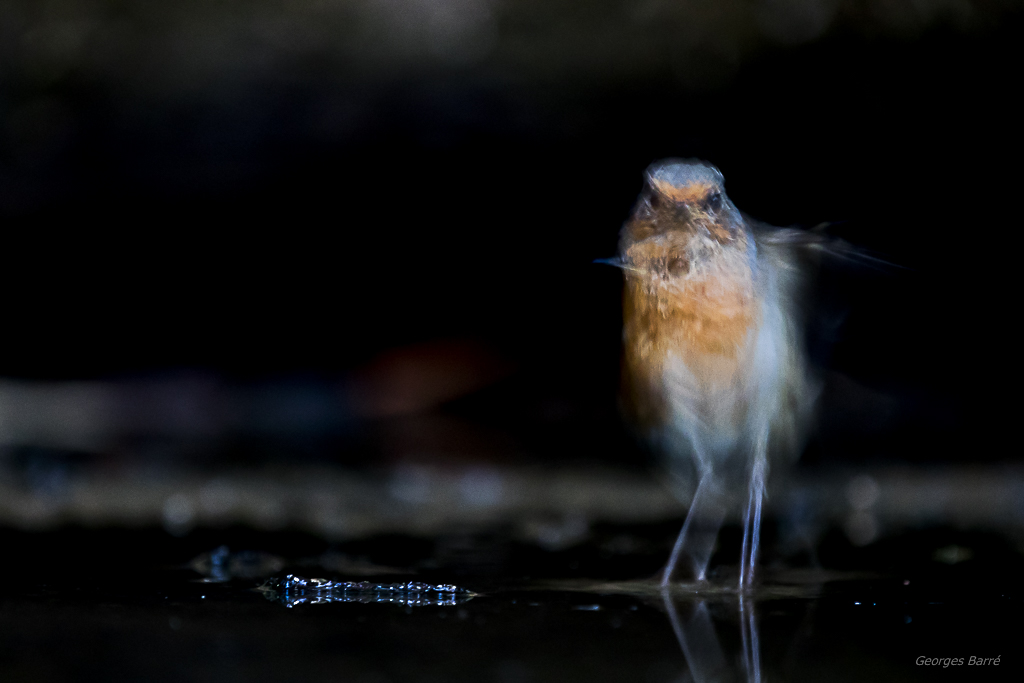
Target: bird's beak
(618,263)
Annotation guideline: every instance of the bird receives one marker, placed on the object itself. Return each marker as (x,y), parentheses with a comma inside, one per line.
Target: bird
(715,373)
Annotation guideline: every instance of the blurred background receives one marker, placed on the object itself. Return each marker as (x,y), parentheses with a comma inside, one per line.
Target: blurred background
(326,265)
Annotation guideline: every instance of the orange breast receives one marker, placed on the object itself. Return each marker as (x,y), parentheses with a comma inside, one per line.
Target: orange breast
(707,325)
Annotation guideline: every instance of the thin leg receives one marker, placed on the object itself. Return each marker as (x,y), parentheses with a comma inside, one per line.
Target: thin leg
(752,519)
(699,532)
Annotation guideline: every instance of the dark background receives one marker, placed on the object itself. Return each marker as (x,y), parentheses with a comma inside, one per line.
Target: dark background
(267,193)
(246,240)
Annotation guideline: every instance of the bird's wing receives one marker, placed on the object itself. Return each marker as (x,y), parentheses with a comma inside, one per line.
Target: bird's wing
(814,243)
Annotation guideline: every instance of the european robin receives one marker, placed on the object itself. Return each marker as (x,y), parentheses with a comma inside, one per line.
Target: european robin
(714,369)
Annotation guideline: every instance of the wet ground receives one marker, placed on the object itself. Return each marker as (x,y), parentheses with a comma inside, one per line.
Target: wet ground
(85,604)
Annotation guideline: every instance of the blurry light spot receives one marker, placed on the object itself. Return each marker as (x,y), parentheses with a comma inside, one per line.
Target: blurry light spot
(174,623)
(178,514)
(558,535)
(861,528)
(587,608)
(218,498)
(953,554)
(481,487)
(862,492)
(411,485)
(39,511)
(268,513)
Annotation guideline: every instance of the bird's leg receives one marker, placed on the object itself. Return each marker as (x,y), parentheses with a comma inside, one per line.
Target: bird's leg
(697,537)
(752,518)
(751,642)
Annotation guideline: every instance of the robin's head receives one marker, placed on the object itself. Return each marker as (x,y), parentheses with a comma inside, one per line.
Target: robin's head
(683,223)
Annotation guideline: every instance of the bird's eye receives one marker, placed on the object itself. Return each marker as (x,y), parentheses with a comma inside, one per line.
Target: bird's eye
(714,202)
(677,266)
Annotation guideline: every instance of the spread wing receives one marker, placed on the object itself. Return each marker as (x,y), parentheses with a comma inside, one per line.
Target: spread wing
(814,243)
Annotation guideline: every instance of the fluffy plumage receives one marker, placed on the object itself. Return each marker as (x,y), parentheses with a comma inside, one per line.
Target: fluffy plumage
(714,370)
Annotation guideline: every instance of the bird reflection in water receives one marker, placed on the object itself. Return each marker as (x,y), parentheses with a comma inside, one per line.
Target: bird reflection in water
(705,657)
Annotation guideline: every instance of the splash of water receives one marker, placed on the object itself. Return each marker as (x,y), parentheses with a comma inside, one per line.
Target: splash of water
(295,590)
